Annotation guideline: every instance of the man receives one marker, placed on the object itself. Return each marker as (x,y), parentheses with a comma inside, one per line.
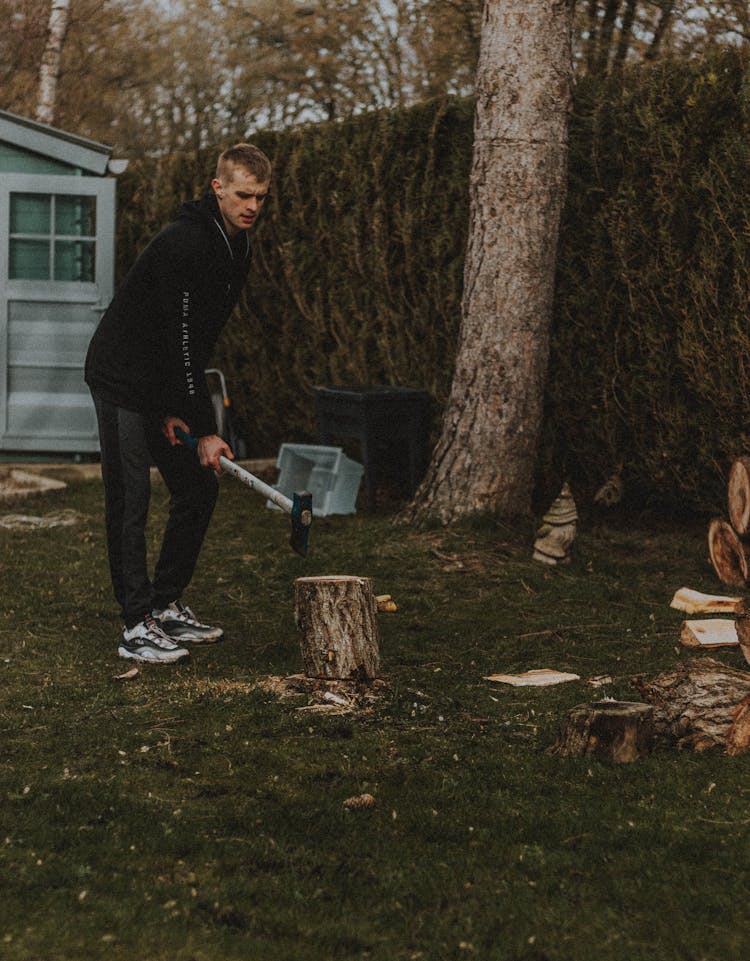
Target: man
(145,369)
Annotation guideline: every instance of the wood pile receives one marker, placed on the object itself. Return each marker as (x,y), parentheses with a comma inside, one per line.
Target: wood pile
(703,704)
(729,540)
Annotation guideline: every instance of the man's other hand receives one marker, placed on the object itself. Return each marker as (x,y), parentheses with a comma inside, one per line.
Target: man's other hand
(168,425)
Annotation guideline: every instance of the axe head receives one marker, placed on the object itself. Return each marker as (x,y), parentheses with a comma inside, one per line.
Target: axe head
(301,520)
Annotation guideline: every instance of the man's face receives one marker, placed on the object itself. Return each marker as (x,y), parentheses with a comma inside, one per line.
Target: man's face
(240,199)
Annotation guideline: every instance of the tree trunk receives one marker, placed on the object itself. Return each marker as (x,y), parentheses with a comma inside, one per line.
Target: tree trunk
(660,31)
(606,32)
(701,704)
(620,731)
(337,618)
(49,72)
(626,34)
(728,553)
(485,457)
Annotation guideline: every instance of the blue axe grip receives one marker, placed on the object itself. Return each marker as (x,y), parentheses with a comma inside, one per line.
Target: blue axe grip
(187,439)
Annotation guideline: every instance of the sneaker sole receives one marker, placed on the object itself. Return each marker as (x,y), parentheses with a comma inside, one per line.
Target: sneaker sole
(142,659)
(186,635)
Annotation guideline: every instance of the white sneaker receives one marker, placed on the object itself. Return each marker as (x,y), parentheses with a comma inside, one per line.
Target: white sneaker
(148,642)
(180,623)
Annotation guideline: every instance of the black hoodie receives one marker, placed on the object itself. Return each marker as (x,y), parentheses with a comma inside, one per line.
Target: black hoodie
(153,344)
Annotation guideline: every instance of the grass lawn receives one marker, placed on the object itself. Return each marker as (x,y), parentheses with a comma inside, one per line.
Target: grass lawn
(190,815)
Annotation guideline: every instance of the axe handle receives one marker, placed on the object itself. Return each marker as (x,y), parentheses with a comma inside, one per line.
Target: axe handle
(248,479)
(256,484)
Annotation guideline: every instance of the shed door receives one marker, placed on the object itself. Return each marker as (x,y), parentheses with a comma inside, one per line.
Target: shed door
(56,278)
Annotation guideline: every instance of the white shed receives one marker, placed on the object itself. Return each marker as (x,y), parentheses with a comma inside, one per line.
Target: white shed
(57,227)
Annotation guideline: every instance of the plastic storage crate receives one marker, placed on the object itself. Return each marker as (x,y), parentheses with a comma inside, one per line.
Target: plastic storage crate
(327,473)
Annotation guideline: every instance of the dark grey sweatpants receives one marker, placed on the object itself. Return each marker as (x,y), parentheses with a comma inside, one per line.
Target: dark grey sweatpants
(130,443)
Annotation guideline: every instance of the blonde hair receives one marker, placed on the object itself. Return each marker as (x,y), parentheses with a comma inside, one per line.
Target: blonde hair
(245,155)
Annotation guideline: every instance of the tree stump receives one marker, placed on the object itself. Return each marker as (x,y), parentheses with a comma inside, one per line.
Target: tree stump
(727,552)
(739,496)
(337,618)
(620,731)
(701,704)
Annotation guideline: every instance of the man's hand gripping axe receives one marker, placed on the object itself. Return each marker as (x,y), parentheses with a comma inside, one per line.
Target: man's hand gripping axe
(299,506)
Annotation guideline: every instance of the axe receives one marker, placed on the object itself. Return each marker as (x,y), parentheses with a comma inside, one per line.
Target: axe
(299,506)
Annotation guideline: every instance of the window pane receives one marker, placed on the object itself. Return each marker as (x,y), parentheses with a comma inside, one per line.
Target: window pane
(29,260)
(74,260)
(75,216)
(29,214)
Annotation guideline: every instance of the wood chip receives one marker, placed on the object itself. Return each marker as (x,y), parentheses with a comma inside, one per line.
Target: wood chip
(360,803)
(542,677)
(127,676)
(709,634)
(693,602)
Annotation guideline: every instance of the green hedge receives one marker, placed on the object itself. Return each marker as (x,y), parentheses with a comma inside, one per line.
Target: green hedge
(651,346)
(358,272)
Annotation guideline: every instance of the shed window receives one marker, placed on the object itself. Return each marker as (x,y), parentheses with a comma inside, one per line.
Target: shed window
(52,237)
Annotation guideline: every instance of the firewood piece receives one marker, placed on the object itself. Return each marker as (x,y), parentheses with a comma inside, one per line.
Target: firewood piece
(337,618)
(385,604)
(541,677)
(695,704)
(693,602)
(739,496)
(727,552)
(742,625)
(620,731)
(738,736)
(710,634)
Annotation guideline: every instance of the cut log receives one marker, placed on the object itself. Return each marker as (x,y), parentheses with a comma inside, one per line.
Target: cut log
(739,496)
(337,618)
(697,704)
(619,731)
(738,736)
(709,634)
(742,625)
(693,602)
(727,552)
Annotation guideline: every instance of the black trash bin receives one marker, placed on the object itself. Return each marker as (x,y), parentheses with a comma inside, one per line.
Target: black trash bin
(391,424)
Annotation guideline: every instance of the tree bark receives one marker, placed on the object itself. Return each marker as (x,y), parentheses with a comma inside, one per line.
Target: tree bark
(337,618)
(620,731)
(485,457)
(729,555)
(49,72)
(701,704)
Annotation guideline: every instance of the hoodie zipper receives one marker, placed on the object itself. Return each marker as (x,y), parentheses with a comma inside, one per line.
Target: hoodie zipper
(227,242)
